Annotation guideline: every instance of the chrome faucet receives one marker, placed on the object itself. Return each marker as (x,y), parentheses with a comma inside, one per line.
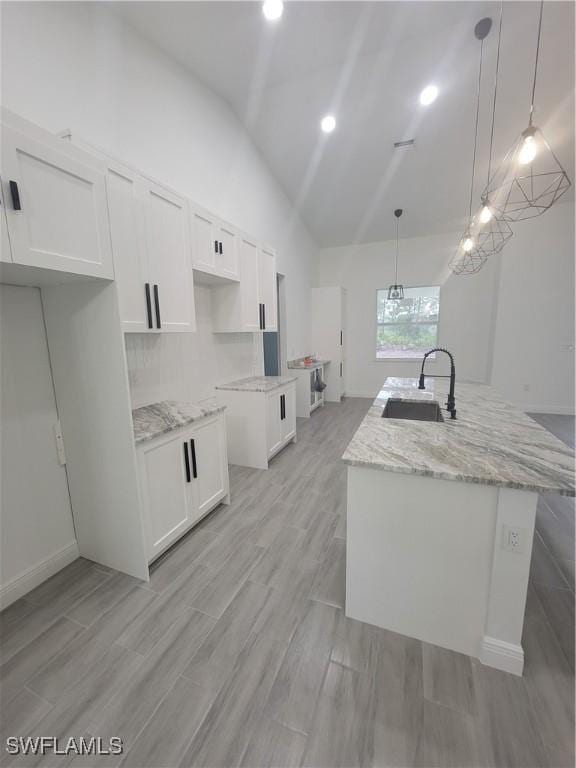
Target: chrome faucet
(451,402)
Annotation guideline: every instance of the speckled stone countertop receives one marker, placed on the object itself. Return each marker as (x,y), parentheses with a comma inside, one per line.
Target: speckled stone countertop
(300,365)
(157,419)
(491,442)
(257,383)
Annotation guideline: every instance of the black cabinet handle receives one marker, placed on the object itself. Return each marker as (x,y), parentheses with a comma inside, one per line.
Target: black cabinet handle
(148,304)
(193,451)
(281,407)
(187,462)
(340,338)
(220,248)
(263,317)
(15,196)
(340,370)
(157,304)
(215,246)
(260,311)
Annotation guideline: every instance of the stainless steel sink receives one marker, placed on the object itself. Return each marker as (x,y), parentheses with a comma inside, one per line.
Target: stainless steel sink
(412,409)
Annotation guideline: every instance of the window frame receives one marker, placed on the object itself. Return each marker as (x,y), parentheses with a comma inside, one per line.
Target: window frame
(432,358)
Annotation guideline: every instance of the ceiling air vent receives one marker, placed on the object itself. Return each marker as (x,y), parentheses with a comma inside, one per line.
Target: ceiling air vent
(409,144)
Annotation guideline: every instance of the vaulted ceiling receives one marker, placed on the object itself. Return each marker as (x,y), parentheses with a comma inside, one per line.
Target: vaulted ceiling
(366,62)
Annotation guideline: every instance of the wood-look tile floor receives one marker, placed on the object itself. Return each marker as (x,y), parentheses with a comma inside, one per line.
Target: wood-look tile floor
(238,653)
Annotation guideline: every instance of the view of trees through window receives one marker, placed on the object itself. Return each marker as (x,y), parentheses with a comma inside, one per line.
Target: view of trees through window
(407,327)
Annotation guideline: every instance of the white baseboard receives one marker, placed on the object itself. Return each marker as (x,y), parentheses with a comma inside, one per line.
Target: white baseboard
(560,411)
(20,585)
(499,654)
(371,395)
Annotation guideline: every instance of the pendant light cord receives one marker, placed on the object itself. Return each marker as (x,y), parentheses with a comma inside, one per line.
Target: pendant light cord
(536,61)
(495,93)
(396,260)
(476,130)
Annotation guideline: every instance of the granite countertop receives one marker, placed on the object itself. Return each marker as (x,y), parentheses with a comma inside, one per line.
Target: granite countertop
(491,442)
(157,419)
(300,365)
(257,383)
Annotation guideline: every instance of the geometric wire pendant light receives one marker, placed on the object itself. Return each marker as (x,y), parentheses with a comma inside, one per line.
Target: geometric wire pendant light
(469,257)
(396,291)
(492,231)
(530,179)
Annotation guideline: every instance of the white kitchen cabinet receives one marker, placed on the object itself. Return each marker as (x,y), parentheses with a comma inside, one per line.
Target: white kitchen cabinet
(150,242)
(183,476)
(167,498)
(307,397)
(267,288)
(129,243)
(273,423)
(210,466)
(259,423)
(288,417)
(55,203)
(280,419)
(214,245)
(5,251)
(169,258)
(252,304)
(328,336)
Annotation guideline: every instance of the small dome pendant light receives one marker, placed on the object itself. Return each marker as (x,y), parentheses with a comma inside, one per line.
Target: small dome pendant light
(396,291)
(530,179)
(469,258)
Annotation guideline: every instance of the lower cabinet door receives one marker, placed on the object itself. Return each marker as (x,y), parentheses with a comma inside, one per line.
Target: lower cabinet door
(208,456)
(273,423)
(288,423)
(166,492)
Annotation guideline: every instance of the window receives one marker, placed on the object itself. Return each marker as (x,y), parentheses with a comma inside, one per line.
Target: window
(407,328)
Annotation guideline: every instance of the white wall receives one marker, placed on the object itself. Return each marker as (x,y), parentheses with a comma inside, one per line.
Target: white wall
(534,343)
(78,66)
(179,366)
(466,307)
(36,529)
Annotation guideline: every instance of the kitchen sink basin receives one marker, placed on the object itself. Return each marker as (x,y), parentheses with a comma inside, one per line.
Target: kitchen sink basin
(412,409)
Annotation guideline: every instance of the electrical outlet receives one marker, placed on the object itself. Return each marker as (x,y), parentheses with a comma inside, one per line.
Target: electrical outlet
(59,444)
(513,538)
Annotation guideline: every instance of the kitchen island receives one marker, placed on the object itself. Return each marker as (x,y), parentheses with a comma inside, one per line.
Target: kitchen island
(440,519)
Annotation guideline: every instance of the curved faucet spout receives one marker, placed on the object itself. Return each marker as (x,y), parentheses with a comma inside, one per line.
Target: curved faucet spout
(451,402)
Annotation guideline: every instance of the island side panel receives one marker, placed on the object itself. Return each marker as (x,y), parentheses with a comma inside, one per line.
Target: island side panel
(419,556)
(516,516)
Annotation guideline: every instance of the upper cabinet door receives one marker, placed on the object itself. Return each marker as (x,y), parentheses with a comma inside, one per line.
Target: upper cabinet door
(56,207)
(169,257)
(250,290)
(227,257)
(5,251)
(268,291)
(204,239)
(127,227)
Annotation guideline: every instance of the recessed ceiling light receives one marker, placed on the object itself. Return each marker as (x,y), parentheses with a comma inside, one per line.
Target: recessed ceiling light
(428,95)
(328,123)
(272,9)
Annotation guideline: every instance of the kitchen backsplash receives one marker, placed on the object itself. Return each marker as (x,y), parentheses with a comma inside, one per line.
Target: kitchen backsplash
(187,366)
